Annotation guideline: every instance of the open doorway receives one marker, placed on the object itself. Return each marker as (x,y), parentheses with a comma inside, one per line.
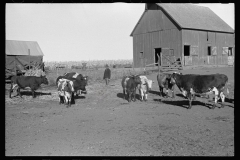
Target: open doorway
(209,51)
(186,50)
(157,55)
(230,51)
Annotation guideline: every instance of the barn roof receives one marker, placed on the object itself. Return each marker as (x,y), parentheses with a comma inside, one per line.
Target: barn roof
(195,17)
(14,47)
(189,16)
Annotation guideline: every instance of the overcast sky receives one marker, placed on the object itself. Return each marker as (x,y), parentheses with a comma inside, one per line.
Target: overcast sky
(75,32)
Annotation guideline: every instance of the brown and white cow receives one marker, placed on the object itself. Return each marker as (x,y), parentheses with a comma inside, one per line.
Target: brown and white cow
(192,84)
(129,84)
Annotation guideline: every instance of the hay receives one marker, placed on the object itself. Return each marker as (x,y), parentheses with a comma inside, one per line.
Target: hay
(35,72)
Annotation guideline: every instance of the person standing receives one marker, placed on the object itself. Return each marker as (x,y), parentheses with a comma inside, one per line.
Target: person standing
(107,74)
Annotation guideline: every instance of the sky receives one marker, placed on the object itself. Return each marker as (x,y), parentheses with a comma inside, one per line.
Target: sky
(76,32)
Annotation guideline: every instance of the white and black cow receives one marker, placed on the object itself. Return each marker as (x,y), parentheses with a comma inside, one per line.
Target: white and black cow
(76,76)
(192,84)
(79,84)
(144,87)
(65,91)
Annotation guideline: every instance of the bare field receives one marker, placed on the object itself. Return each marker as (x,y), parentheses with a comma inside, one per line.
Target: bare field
(102,123)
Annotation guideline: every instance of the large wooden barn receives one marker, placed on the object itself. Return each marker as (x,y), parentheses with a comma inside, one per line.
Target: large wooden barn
(191,34)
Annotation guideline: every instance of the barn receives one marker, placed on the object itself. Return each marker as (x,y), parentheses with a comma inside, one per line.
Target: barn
(20,54)
(191,34)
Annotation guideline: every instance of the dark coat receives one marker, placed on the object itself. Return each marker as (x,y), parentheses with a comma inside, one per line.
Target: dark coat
(107,73)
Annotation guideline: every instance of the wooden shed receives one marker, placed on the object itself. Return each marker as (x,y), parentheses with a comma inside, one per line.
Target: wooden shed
(192,34)
(20,55)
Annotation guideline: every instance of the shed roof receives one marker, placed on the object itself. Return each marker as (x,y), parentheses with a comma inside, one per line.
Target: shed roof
(195,17)
(189,16)
(14,47)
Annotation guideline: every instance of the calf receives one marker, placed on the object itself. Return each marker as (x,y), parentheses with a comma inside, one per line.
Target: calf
(27,81)
(65,91)
(192,84)
(165,81)
(129,84)
(144,87)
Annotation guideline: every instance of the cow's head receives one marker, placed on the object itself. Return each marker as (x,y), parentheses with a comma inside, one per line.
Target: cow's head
(80,85)
(137,79)
(44,80)
(150,82)
(68,86)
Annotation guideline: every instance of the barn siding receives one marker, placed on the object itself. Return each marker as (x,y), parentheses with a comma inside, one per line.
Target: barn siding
(153,20)
(203,39)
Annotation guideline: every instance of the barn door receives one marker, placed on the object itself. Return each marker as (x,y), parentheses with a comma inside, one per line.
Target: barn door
(187,56)
(212,55)
(165,56)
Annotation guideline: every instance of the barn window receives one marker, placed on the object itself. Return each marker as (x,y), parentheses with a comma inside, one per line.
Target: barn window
(141,55)
(230,51)
(225,50)
(194,50)
(209,51)
(186,50)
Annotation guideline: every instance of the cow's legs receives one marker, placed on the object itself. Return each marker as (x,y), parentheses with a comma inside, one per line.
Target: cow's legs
(33,95)
(146,96)
(189,95)
(222,98)
(167,92)
(216,92)
(72,98)
(10,91)
(141,94)
(124,96)
(173,95)
(59,99)
(18,92)
(161,91)
(66,100)
(129,96)
(134,95)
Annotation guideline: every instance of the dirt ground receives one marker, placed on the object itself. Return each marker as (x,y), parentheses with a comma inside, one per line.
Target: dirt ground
(102,123)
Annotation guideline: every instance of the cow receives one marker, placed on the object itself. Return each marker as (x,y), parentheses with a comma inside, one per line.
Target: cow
(79,85)
(27,81)
(144,87)
(77,76)
(192,84)
(129,84)
(165,81)
(65,91)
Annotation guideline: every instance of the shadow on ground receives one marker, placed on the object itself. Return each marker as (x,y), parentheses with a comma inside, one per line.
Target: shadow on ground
(120,95)
(29,93)
(183,103)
